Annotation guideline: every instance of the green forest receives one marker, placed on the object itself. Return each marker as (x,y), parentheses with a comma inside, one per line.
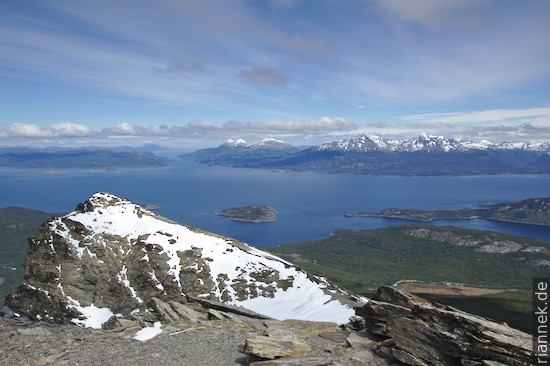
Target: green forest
(360,261)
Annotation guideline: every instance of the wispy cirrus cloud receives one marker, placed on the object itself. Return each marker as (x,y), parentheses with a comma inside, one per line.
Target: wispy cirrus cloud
(501,116)
(257,61)
(174,52)
(432,51)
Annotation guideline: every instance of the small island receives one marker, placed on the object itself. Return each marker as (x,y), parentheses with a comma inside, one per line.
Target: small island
(252,213)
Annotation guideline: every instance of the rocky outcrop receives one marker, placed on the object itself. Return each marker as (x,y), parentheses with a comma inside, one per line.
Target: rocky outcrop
(484,242)
(395,328)
(110,256)
(282,345)
(417,332)
(295,342)
(215,305)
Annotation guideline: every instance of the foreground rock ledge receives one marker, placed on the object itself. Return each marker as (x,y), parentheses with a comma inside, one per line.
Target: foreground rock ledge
(397,328)
(394,328)
(418,332)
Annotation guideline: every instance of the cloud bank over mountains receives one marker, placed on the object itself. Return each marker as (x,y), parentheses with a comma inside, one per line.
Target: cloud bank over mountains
(514,125)
(200,132)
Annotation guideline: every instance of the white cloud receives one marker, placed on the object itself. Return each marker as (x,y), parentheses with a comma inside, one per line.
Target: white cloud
(23,130)
(513,125)
(124,129)
(55,130)
(194,132)
(211,129)
(323,125)
(66,129)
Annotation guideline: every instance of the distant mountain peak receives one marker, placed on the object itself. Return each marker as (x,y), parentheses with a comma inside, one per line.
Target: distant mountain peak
(359,143)
(271,143)
(271,140)
(267,144)
(236,142)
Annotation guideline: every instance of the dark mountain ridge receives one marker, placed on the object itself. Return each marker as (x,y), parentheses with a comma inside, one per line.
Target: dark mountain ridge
(240,154)
(87,158)
(373,155)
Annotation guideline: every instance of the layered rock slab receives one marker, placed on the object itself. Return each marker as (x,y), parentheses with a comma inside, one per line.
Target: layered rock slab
(419,332)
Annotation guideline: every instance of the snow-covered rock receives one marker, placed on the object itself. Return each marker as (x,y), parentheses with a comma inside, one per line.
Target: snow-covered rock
(360,143)
(269,143)
(111,256)
(235,143)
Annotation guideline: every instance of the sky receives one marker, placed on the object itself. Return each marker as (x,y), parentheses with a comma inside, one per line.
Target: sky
(193,73)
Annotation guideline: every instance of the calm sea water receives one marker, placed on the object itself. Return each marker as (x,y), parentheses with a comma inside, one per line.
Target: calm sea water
(310,205)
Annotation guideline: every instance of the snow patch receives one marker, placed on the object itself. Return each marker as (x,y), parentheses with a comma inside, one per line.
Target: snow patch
(236,142)
(303,301)
(270,140)
(147,333)
(122,278)
(94,316)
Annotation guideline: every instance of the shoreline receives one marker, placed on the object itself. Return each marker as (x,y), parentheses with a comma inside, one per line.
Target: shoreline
(351,214)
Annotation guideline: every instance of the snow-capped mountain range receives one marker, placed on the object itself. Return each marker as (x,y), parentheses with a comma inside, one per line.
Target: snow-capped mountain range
(111,256)
(425,142)
(426,155)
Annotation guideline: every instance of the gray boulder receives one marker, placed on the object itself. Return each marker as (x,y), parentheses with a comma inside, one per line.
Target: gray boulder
(419,332)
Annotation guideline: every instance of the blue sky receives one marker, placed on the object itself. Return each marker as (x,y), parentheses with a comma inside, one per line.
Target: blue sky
(196,72)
